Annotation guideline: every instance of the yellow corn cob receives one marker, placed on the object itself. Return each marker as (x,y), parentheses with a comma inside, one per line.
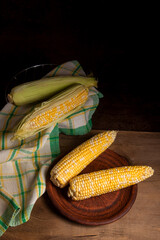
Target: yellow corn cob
(75,161)
(38,90)
(104,181)
(52,111)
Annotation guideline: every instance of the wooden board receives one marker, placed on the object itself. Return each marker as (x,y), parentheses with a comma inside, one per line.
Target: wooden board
(98,210)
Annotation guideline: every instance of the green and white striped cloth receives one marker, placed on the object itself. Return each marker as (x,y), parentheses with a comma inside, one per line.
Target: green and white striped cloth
(23,165)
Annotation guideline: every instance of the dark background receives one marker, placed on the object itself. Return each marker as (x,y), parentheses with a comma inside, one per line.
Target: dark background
(116,42)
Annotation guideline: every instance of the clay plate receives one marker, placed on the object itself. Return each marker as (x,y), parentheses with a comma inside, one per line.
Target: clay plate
(98,210)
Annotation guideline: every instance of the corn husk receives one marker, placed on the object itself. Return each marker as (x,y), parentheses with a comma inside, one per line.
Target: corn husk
(45,88)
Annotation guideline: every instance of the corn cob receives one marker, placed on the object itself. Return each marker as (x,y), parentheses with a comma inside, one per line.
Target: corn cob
(75,161)
(100,182)
(38,90)
(52,111)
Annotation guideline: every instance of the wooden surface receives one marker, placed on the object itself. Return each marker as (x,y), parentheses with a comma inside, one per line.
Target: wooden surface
(98,210)
(142,222)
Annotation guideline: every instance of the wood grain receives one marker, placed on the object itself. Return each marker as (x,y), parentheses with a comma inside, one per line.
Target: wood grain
(142,222)
(98,210)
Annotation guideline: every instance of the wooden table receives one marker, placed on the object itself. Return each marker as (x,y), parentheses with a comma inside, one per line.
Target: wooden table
(141,222)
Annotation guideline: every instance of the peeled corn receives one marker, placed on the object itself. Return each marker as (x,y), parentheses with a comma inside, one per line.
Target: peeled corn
(52,111)
(96,183)
(38,90)
(75,161)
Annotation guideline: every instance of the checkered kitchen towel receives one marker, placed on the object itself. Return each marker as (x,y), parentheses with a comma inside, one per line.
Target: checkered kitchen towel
(23,165)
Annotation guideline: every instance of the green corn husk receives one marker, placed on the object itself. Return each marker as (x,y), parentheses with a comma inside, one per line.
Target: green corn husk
(45,88)
(51,112)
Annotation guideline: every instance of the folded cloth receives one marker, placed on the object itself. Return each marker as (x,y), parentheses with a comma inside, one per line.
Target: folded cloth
(24,165)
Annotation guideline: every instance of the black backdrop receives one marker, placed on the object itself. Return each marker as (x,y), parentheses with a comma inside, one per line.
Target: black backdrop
(116,42)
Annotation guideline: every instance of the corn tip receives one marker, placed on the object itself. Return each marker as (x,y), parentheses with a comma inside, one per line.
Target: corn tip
(149,171)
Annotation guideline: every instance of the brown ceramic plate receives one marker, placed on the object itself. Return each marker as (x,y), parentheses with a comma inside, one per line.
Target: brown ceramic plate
(98,210)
